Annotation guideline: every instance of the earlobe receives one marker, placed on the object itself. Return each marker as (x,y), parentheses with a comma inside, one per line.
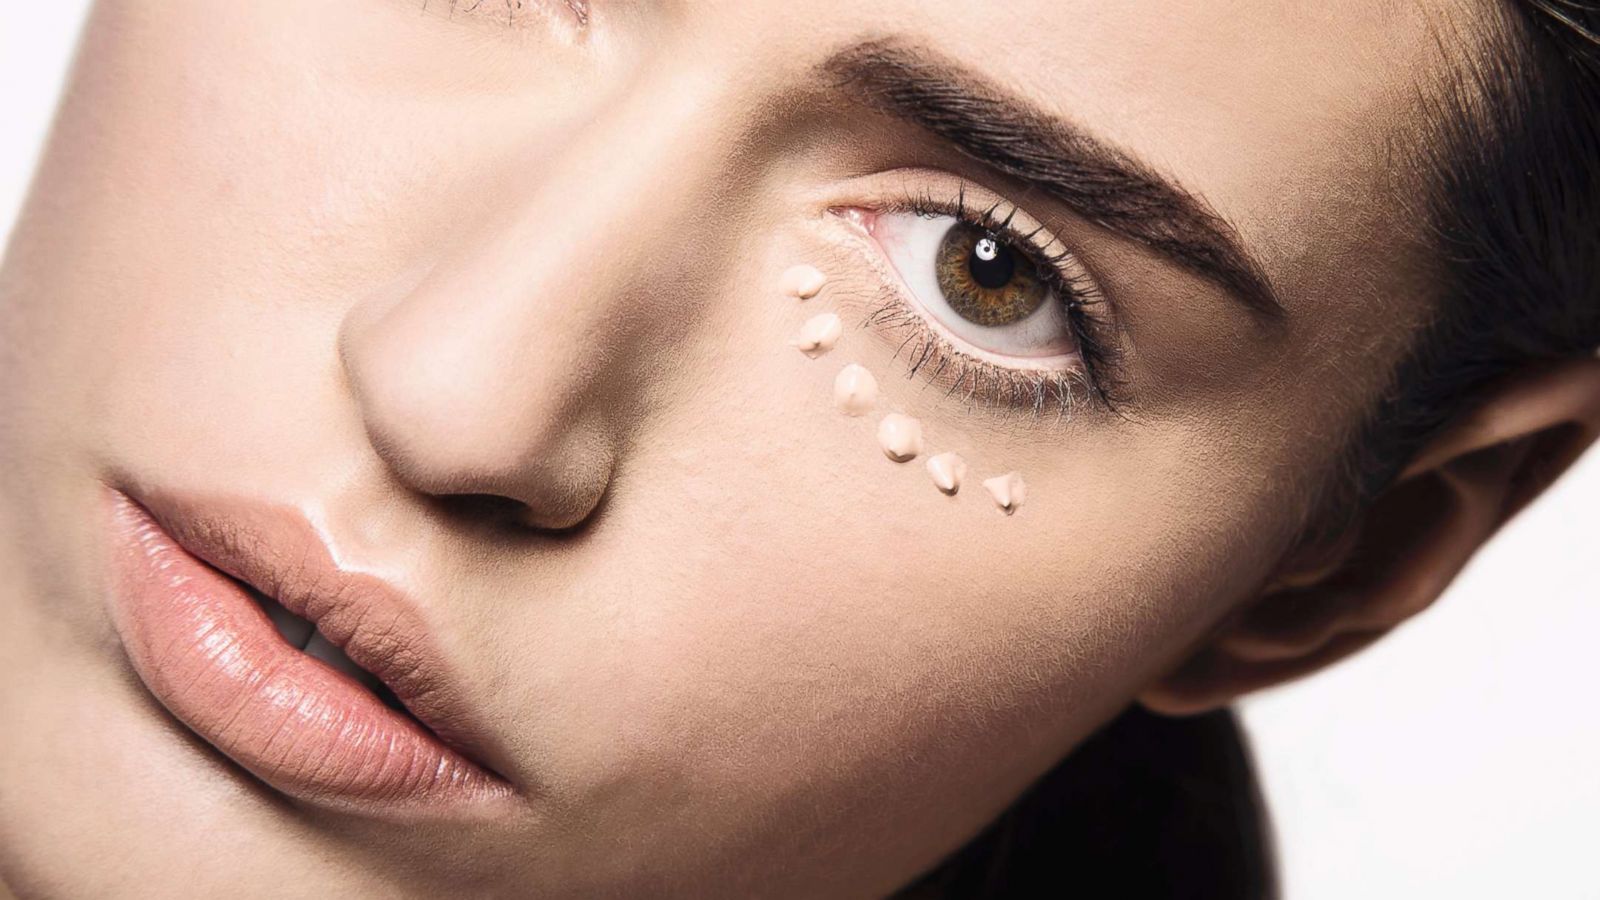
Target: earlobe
(1406,547)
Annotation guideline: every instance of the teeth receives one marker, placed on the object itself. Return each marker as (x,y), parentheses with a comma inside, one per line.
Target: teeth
(323,649)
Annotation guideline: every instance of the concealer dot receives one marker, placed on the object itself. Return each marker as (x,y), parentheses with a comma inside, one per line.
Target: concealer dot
(854,390)
(802,281)
(947,470)
(900,436)
(818,335)
(1008,491)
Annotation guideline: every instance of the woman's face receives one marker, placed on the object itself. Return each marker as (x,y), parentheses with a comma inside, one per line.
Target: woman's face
(490,312)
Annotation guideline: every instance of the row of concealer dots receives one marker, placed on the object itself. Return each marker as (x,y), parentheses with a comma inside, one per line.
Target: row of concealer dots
(855,393)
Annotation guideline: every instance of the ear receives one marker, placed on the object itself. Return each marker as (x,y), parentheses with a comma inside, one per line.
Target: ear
(1406,547)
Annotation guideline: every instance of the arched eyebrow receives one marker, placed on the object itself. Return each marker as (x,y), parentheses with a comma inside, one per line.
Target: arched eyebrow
(1100,182)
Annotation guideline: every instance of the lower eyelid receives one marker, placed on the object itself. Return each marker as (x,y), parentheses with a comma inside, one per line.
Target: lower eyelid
(978,354)
(926,353)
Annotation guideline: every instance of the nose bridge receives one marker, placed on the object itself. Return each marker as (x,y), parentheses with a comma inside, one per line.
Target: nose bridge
(502,369)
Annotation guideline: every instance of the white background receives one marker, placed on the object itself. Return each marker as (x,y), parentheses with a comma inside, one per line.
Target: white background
(1456,758)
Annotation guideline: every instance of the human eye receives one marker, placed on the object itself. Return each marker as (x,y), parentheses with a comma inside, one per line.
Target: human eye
(987,294)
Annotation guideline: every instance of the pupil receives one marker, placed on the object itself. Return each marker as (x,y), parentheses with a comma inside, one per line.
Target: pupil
(991,263)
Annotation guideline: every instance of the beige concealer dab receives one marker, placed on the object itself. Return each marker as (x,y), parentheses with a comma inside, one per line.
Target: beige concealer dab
(1008,491)
(818,335)
(947,470)
(802,281)
(900,436)
(854,390)
(855,393)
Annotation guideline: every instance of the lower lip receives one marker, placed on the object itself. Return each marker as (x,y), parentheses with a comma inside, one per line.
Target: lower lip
(208,652)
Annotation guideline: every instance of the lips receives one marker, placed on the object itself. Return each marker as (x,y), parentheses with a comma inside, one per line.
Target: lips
(323,683)
(304,636)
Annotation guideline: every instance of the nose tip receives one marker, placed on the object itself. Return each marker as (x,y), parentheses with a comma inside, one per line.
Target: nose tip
(494,432)
(482,487)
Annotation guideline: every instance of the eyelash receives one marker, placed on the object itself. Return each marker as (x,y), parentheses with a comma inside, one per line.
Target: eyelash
(1099,377)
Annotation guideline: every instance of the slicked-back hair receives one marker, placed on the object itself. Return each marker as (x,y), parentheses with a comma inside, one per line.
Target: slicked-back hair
(1510,152)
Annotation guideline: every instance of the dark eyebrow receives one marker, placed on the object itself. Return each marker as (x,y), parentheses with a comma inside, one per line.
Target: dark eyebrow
(1103,184)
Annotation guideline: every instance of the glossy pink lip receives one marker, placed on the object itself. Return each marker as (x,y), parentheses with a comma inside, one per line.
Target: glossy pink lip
(209,653)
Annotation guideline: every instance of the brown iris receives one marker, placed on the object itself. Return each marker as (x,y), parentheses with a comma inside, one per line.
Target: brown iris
(984,280)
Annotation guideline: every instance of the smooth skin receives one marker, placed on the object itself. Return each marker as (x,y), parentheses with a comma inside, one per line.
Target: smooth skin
(366,259)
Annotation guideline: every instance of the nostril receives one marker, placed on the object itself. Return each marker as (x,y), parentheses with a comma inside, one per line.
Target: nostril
(500,513)
(494,509)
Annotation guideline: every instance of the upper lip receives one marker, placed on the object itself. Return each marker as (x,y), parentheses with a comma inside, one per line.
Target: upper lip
(276,551)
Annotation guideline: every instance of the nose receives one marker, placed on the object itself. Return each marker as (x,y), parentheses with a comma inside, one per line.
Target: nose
(510,368)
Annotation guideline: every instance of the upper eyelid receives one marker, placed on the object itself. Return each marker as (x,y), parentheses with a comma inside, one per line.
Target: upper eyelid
(928,189)
(997,213)
(1052,252)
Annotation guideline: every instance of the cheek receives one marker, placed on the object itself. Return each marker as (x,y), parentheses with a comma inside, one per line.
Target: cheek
(772,608)
(773,604)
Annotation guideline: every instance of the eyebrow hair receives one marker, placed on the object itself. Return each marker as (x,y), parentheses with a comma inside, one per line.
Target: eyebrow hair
(1105,185)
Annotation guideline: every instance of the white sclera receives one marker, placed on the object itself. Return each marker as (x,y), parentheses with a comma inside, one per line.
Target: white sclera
(911,241)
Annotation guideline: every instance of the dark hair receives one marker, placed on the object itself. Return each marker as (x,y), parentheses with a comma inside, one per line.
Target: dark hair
(1149,806)
(1510,148)
(1169,807)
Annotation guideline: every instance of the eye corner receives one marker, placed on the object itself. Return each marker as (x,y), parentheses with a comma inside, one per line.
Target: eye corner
(860,218)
